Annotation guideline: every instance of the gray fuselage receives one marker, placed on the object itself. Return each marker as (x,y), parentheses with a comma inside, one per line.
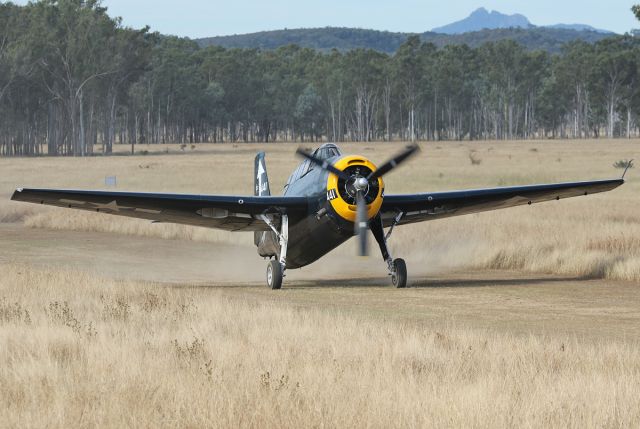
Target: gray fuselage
(317,234)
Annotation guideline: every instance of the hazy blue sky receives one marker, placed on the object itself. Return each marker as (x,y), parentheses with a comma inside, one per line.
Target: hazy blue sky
(200,18)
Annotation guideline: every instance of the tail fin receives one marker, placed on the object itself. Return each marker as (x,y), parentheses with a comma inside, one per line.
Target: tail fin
(260,188)
(261,179)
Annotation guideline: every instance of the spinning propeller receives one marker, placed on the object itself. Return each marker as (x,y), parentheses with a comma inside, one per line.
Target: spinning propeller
(361,185)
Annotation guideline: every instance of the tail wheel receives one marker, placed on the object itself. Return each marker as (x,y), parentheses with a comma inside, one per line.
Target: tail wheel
(274,275)
(399,275)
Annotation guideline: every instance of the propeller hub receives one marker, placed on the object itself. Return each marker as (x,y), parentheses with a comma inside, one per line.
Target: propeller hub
(361,184)
(356,184)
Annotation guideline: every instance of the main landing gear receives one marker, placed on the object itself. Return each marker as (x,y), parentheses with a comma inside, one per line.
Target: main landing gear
(398,271)
(276,268)
(397,267)
(274,275)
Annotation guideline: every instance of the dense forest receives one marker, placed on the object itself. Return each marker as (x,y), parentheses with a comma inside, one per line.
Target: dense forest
(74,81)
(343,39)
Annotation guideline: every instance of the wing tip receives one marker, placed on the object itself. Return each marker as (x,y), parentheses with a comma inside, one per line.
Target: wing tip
(16,194)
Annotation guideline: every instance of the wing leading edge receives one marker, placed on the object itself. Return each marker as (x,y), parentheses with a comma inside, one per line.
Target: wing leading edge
(231,213)
(239,213)
(438,205)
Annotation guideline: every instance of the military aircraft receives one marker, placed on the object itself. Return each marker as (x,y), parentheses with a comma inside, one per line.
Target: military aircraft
(328,199)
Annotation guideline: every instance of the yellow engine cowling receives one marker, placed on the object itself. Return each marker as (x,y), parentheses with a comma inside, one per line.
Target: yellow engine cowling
(342,207)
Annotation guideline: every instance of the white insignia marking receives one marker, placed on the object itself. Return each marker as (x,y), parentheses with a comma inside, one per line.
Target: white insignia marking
(20,189)
(262,185)
(112,206)
(240,201)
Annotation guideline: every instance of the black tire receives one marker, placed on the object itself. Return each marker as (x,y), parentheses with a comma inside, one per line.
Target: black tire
(274,275)
(399,276)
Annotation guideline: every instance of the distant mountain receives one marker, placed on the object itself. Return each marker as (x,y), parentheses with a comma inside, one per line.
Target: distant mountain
(482,19)
(344,39)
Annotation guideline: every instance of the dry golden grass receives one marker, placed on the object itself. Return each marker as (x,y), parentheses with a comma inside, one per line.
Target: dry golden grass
(592,237)
(82,351)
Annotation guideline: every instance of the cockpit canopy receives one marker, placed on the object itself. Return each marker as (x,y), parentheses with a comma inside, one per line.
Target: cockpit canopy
(324,152)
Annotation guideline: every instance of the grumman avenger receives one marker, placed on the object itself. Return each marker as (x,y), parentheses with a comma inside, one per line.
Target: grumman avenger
(328,199)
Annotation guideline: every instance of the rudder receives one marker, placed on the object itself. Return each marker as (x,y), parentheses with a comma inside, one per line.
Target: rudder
(260,188)
(261,180)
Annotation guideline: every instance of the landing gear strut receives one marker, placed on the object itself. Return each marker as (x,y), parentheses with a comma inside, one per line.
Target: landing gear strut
(397,267)
(276,268)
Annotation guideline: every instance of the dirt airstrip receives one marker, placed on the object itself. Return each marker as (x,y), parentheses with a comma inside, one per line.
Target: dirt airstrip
(506,301)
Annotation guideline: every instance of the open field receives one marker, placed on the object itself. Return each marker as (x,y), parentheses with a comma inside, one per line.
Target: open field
(525,317)
(596,236)
(81,350)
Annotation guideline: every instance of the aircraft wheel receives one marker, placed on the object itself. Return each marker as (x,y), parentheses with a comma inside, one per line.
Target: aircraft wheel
(399,276)
(274,275)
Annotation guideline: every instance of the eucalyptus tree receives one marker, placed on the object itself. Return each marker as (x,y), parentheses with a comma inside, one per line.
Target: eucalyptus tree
(536,70)
(409,73)
(614,72)
(630,93)
(211,60)
(503,69)
(287,70)
(555,99)
(71,41)
(309,113)
(170,91)
(15,67)
(457,69)
(10,47)
(131,55)
(573,71)
(364,70)
(329,78)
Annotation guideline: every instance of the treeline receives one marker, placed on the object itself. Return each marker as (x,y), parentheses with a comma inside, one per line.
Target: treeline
(345,39)
(72,80)
(320,39)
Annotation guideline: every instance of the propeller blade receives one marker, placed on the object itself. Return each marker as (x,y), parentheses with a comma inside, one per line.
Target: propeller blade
(323,164)
(394,162)
(361,224)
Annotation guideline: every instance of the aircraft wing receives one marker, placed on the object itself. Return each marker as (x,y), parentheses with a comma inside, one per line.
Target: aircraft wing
(231,213)
(438,205)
